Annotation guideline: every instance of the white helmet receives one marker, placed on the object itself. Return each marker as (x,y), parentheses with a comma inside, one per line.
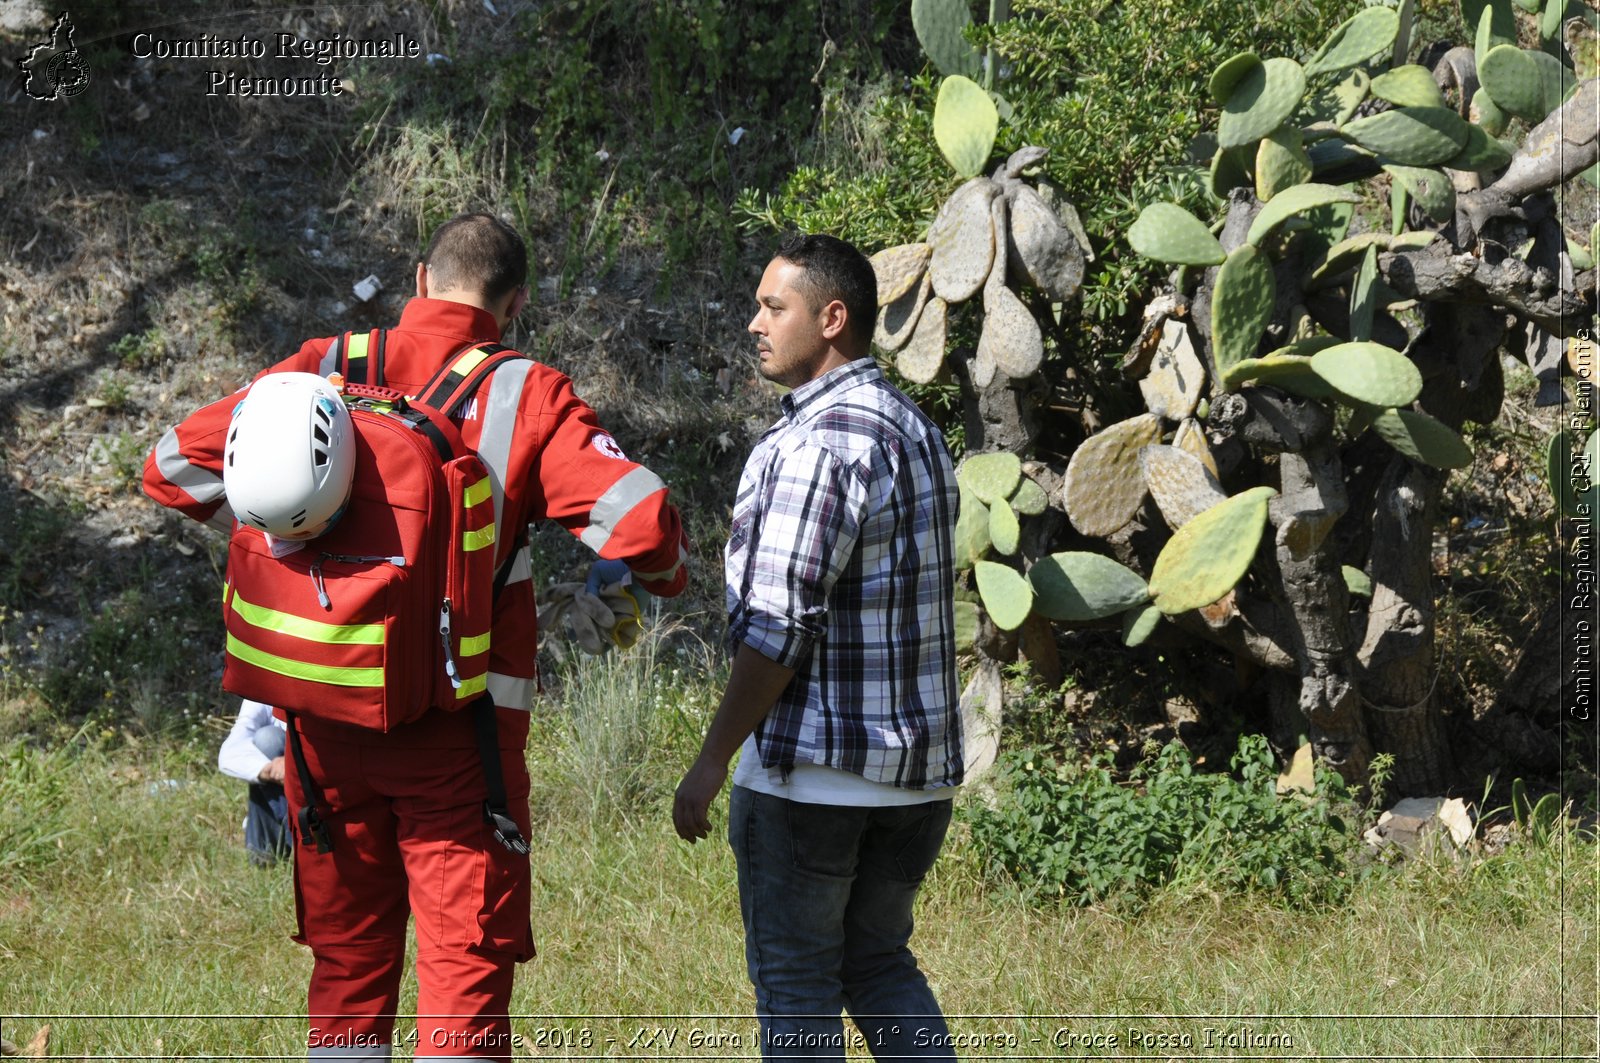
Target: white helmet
(290,456)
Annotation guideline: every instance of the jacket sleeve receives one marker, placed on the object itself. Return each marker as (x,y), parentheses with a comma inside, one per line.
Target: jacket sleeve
(184,471)
(617,507)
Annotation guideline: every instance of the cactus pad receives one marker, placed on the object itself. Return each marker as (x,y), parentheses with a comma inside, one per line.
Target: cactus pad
(1168,233)
(991,477)
(1411,136)
(1010,332)
(1139,624)
(1043,251)
(1492,22)
(966,626)
(1369,373)
(1208,556)
(1104,486)
(1343,256)
(1356,40)
(939,25)
(921,359)
(1421,438)
(899,270)
(1228,171)
(1281,162)
(1078,585)
(1182,487)
(1430,189)
(897,320)
(1482,152)
(1006,595)
(1262,100)
(1576,496)
(1287,372)
(1364,297)
(1336,101)
(965,122)
(1292,201)
(1004,531)
(1176,380)
(1190,439)
(1512,80)
(1408,86)
(1487,114)
(1029,499)
(1227,76)
(972,530)
(963,237)
(1241,305)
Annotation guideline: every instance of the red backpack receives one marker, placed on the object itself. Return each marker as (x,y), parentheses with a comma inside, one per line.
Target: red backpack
(386,615)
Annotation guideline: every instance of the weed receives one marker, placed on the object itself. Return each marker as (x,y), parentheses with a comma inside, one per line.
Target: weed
(140,350)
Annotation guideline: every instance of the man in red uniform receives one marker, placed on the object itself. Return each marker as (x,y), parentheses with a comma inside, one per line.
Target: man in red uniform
(405,808)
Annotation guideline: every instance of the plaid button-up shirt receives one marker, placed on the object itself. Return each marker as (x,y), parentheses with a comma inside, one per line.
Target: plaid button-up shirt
(840,565)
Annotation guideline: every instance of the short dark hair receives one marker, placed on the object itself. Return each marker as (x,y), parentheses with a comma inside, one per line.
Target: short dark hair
(478,252)
(833,269)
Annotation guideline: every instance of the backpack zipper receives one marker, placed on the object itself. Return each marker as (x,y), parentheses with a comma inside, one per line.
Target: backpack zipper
(349,559)
(450,670)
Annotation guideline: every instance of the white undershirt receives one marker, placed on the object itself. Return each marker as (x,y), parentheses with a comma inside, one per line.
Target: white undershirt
(817,784)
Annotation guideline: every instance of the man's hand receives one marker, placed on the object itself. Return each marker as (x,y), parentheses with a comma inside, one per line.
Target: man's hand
(691,806)
(272,771)
(604,573)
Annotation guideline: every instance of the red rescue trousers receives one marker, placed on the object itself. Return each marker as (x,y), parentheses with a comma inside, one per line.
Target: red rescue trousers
(409,837)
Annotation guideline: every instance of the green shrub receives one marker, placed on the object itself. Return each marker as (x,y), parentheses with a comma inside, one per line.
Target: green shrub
(1077,836)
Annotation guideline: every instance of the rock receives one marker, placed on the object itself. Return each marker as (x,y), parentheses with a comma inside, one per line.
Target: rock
(1457,820)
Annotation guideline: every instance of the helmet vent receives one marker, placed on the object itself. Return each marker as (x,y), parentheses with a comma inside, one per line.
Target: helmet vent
(299,519)
(319,434)
(319,457)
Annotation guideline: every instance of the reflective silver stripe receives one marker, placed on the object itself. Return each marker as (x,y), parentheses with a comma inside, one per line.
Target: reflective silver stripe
(521,567)
(683,555)
(617,503)
(223,519)
(511,691)
(499,427)
(353,1052)
(330,357)
(202,484)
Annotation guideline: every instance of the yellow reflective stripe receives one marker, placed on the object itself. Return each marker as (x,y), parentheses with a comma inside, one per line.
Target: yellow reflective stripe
(477,492)
(475,685)
(477,540)
(358,346)
(469,361)
(310,630)
(317,673)
(472,646)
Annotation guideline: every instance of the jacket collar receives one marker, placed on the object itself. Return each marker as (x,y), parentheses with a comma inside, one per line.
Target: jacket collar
(816,392)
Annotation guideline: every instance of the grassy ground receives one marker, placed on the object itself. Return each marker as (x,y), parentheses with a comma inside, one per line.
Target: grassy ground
(132,922)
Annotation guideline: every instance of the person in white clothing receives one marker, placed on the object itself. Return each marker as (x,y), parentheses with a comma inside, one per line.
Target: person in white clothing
(253,751)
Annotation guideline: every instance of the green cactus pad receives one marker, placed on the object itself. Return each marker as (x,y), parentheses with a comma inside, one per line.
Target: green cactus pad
(897,320)
(1430,189)
(965,122)
(1422,438)
(1415,240)
(1190,439)
(1343,256)
(1556,81)
(1411,136)
(1281,162)
(1006,594)
(1010,333)
(1287,372)
(1004,530)
(1183,488)
(1574,478)
(899,270)
(1168,233)
(1296,200)
(1513,81)
(966,626)
(991,477)
(963,238)
(1356,581)
(1029,500)
(1334,102)
(922,358)
(1078,586)
(1263,100)
(1176,380)
(1369,373)
(1226,77)
(1482,154)
(1364,297)
(1043,251)
(1334,154)
(1228,171)
(1208,556)
(939,25)
(1104,486)
(1139,624)
(972,530)
(1550,19)
(1241,306)
(1491,22)
(1356,40)
(1408,86)
(1487,114)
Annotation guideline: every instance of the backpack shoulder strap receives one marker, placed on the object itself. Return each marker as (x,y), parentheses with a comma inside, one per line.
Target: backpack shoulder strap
(460,377)
(361,356)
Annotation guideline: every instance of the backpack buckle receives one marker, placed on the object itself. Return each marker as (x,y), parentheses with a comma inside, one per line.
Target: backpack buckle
(505,829)
(312,827)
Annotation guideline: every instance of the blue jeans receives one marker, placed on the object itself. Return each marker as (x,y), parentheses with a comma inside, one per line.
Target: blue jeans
(267,836)
(826,894)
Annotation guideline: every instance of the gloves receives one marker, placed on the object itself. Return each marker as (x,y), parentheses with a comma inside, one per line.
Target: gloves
(604,573)
(596,621)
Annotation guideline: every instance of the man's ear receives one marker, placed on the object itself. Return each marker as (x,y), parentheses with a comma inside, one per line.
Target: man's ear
(422,280)
(518,300)
(835,320)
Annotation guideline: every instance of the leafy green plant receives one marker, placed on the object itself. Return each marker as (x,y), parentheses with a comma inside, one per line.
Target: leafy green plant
(1077,836)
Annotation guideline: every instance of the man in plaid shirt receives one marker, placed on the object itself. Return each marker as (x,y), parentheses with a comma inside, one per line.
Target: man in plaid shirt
(843,692)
